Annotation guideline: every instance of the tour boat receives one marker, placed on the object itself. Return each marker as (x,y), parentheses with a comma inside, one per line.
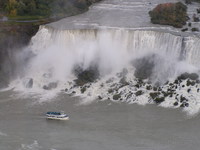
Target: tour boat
(57,115)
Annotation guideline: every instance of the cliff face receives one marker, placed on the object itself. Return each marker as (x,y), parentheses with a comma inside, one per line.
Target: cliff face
(12,39)
(174,14)
(14,33)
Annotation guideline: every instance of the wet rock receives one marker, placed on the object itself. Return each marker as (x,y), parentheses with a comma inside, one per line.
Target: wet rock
(171,95)
(159,100)
(51,85)
(184,29)
(83,89)
(188,1)
(137,85)
(165,94)
(184,76)
(176,81)
(154,95)
(116,96)
(144,67)
(166,83)
(149,87)
(195,18)
(159,89)
(195,29)
(45,87)
(182,105)
(28,83)
(123,81)
(198,10)
(138,93)
(175,103)
(85,76)
(186,104)
(110,90)
(129,95)
(99,97)
(183,99)
(192,83)
(155,88)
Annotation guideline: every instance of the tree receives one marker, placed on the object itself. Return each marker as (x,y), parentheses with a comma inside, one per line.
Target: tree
(31,7)
(12,7)
(174,14)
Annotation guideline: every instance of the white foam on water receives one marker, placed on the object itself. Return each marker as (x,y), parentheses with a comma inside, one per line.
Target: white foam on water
(3,134)
(33,146)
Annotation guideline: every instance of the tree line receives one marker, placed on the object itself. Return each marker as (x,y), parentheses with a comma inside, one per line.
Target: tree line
(42,7)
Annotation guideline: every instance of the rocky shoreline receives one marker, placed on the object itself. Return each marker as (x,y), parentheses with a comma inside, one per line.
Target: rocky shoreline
(124,87)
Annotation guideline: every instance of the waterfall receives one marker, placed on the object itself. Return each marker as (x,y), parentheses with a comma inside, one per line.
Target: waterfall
(54,53)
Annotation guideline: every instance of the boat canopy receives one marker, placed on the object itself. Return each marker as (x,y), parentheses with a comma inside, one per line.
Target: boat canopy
(54,113)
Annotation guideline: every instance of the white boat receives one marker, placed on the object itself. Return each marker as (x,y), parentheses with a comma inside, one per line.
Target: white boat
(57,115)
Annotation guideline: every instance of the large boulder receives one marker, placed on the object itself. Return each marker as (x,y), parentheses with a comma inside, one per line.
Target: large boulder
(50,86)
(28,83)
(86,76)
(144,67)
(184,76)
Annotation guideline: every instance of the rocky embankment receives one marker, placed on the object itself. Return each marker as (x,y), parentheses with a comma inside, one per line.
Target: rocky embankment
(12,38)
(182,92)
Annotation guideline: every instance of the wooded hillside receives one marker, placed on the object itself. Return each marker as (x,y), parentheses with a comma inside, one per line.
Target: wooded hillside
(42,7)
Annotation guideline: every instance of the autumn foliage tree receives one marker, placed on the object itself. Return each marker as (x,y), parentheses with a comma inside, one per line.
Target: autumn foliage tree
(12,7)
(43,7)
(174,14)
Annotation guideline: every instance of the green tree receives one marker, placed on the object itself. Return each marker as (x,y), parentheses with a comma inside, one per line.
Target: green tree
(31,7)
(12,7)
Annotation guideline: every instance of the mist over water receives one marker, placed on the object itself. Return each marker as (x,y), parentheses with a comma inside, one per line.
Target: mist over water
(55,53)
(52,55)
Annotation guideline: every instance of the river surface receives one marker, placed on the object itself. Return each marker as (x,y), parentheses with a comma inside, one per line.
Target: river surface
(97,126)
